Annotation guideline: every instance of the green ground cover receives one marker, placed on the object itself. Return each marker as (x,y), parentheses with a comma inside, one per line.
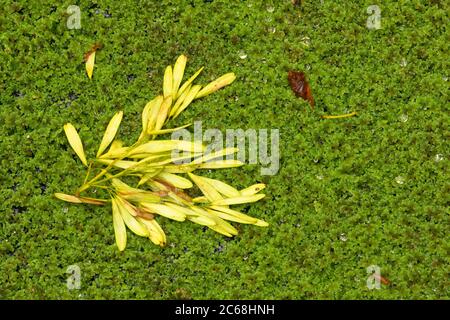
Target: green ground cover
(350,193)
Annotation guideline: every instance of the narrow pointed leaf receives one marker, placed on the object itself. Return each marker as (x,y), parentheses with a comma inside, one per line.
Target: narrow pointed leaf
(186,85)
(224,228)
(68,198)
(146,113)
(168,82)
(164,131)
(168,145)
(156,234)
(75,142)
(175,180)
(204,221)
(120,231)
(210,193)
(122,164)
(201,199)
(254,189)
(178,72)
(131,222)
(164,211)
(238,200)
(220,164)
(181,98)
(153,113)
(90,64)
(221,82)
(163,113)
(217,154)
(110,132)
(223,188)
(233,215)
(189,98)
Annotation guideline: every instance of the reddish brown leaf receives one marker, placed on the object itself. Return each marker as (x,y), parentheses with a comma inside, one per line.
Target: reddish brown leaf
(94,48)
(299,84)
(382,279)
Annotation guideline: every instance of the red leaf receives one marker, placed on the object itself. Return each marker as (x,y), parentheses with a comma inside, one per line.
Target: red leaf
(300,86)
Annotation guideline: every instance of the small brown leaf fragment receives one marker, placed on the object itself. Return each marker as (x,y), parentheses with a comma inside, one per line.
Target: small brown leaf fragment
(297,2)
(95,47)
(382,279)
(300,86)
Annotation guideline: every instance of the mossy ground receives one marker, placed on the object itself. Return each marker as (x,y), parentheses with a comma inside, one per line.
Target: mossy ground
(336,180)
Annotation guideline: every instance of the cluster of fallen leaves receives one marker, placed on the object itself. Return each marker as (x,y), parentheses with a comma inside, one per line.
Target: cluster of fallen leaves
(162,180)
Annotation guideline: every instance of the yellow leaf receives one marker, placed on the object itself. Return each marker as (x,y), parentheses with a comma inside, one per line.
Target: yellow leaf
(98,202)
(133,194)
(75,142)
(181,98)
(164,211)
(238,200)
(168,145)
(185,85)
(179,168)
(261,223)
(224,228)
(232,215)
(90,64)
(153,113)
(145,164)
(168,82)
(178,72)
(217,154)
(175,180)
(190,96)
(202,217)
(221,230)
(223,188)
(110,132)
(68,198)
(120,231)
(150,156)
(163,112)
(182,210)
(156,234)
(146,115)
(219,164)
(127,206)
(201,199)
(204,221)
(254,189)
(116,144)
(210,193)
(164,131)
(221,82)
(148,175)
(122,164)
(115,151)
(75,199)
(130,221)
(227,227)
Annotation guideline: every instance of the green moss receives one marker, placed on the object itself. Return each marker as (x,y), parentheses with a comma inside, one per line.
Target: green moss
(336,180)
